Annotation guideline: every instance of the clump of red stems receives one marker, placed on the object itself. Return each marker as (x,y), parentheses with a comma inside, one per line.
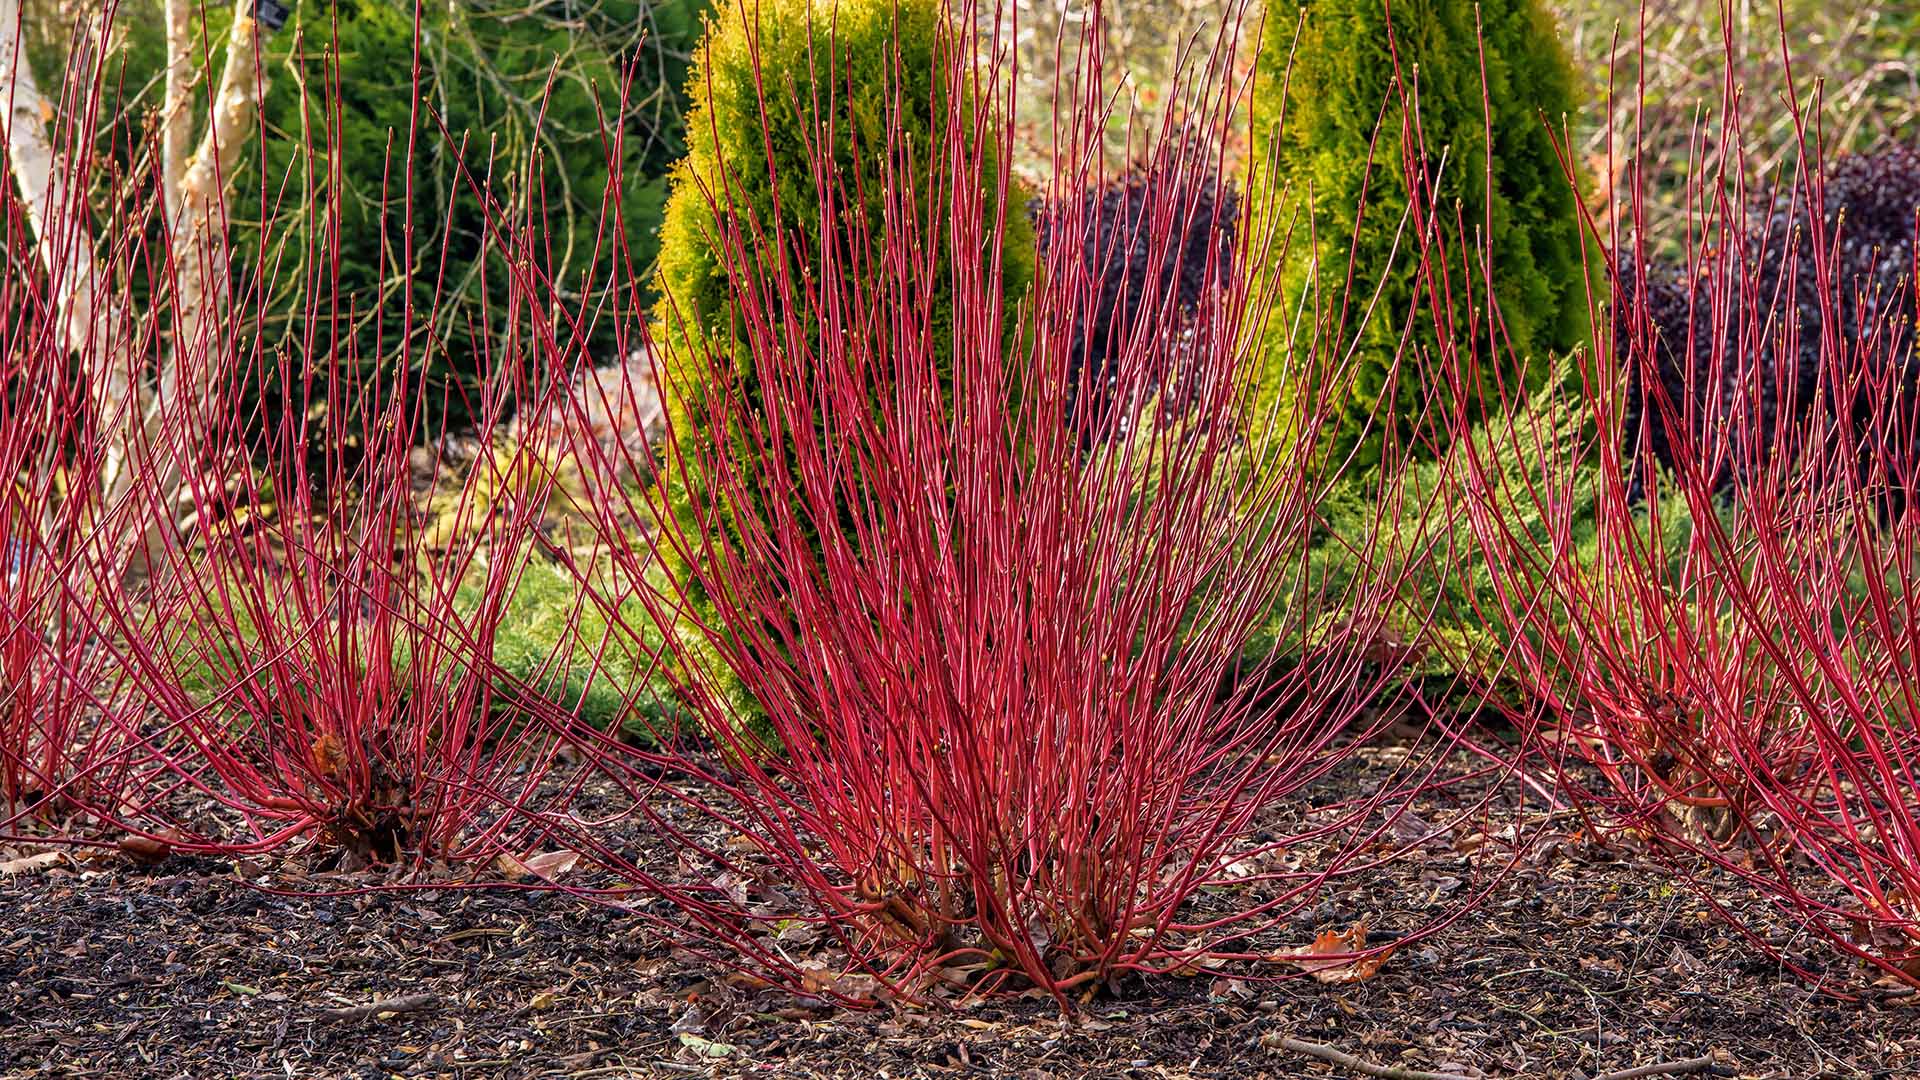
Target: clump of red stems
(1724,643)
(56,757)
(1008,738)
(324,666)
(68,541)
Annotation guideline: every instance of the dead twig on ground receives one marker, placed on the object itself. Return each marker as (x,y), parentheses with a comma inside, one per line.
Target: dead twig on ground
(1661,1068)
(409,1003)
(1344,1060)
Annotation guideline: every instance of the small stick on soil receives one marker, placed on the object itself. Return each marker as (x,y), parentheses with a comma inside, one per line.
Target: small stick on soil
(1334,1056)
(410,1003)
(1663,1068)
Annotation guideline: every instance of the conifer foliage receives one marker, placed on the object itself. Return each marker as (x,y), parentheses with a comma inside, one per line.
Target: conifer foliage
(1381,101)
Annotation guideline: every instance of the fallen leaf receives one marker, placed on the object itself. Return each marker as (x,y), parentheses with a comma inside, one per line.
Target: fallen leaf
(551,864)
(31,864)
(817,978)
(1331,959)
(705,1048)
(547,865)
(733,886)
(327,755)
(1684,962)
(145,850)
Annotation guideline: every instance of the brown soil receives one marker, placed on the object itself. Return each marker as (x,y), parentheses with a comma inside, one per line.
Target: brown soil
(1582,962)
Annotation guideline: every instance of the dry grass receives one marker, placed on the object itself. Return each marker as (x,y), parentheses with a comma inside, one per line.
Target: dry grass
(1859,59)
(1863,58)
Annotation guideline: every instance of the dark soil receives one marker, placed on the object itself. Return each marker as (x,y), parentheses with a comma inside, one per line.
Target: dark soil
(1583,961)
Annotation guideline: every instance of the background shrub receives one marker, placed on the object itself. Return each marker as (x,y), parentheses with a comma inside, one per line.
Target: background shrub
(1814,355)
(1343,70)
(761,71)
(1132,270)
(485,111)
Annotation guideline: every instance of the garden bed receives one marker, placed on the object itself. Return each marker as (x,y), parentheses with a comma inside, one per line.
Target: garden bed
(1582,961)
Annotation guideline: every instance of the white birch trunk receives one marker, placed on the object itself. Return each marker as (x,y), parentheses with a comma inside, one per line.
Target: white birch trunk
(64,244)
(197,222)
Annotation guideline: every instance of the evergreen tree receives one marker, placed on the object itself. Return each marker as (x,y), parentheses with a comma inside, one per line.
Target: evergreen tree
(1343,73)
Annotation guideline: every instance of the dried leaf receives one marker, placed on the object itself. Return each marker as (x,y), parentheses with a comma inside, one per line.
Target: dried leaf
(551,864)
(1331,959)
(145,850)
(706,1049)
(817,978)
(547,865)
(733,886)
(31,864)
(328,756)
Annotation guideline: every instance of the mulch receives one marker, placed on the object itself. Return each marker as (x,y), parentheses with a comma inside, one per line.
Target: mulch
(1585,960)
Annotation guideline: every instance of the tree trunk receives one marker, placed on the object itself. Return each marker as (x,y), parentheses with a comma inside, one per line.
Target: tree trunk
(194,194)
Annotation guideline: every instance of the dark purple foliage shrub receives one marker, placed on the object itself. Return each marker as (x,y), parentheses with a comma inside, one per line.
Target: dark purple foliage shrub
(1137,281)
(1746,368)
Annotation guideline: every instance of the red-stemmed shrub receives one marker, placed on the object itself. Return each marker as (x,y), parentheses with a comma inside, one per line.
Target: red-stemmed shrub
(332,578)
(1004,735)
(56,754)
(1710,557)
(70,539)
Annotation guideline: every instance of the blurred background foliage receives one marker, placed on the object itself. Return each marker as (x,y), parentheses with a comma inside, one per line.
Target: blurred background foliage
(1865,56)
(501,84)
(1862,59)
(486,64)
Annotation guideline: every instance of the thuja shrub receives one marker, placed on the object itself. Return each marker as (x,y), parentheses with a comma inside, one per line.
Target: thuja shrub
(1373,95)
(999,649)
(772,141)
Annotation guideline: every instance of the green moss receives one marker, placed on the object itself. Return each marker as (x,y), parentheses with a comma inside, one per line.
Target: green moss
(1320,170)
(556,642)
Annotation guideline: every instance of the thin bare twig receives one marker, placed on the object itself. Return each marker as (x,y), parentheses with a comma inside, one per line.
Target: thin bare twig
(1335,1056)
(409,1003)
(1661,1068)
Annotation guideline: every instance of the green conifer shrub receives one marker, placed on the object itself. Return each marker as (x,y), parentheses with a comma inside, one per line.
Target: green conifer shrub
(1318,168)
(485,110)
(752,123)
